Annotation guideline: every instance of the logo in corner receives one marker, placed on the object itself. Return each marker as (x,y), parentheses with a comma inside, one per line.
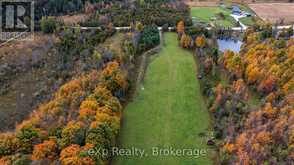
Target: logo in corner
(17,19)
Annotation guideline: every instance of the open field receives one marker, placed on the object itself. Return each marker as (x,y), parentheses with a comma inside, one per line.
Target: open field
(19,80)
(201,3)
(274,12)
(248,21)
(205,14)
(258,1)
(210,3)
(73,19)
(168,112)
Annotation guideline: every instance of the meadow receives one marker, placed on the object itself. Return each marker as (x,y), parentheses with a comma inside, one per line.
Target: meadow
(168,111)
(207,14)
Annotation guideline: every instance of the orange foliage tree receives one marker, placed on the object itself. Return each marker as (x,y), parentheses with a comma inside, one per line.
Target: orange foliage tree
(266,135)
(233,63)
(8,144)
(73,133)
(114,78)
(180,27)
(71,155)
(46,150)
(200,41)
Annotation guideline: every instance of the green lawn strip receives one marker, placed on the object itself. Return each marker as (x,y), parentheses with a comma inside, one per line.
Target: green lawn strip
(169,112)
(247,21)
(205,14)
(228,22)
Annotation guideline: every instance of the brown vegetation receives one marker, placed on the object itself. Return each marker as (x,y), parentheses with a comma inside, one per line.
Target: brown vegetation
(201,3)
(212,3)
(73,19)
(19,61)
(274,12)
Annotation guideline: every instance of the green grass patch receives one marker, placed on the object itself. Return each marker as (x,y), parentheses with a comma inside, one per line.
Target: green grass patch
(206,15)
(247,21)
(168,112)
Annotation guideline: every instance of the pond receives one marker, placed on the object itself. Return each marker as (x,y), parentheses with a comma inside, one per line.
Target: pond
(229,44)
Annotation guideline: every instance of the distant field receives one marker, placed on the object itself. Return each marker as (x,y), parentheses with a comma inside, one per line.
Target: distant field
(197,3)
(201,3)
(73,19)
(205,14)
(274,12)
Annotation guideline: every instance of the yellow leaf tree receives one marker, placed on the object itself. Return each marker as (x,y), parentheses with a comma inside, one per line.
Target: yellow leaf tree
(200,41)
(181,27)
(185,41)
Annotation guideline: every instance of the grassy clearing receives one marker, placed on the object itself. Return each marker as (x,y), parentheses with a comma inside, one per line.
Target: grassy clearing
(247,21)
(168,112)
(113,44)
(206,14)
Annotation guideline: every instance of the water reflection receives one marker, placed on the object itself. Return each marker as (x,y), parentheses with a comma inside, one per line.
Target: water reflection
(229,44)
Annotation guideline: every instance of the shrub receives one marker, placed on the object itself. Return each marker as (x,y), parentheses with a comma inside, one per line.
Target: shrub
(27,137)
(113,78)
(104,97)
(87,114)
(185,41)
(220,15)
(102,135)
(73,133)
(8,144)
(149,38)
(90,104)
(48,25)
(73,155)
(17,159)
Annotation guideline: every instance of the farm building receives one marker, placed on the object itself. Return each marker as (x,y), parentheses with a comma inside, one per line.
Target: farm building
(236,10)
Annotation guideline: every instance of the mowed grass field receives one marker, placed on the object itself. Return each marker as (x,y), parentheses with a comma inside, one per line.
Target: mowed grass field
(205,14)
(168,112)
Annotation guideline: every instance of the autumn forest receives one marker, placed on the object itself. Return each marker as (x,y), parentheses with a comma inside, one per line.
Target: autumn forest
(129,82)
